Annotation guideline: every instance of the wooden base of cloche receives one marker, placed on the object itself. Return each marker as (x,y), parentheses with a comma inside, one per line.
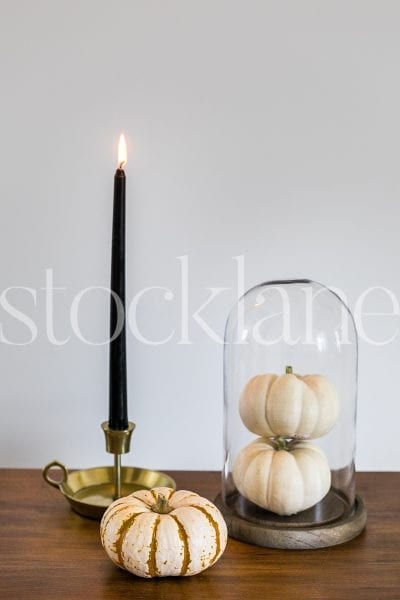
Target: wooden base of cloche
(272,531)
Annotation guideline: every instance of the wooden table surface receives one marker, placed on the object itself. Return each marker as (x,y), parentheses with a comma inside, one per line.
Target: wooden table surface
(48,551)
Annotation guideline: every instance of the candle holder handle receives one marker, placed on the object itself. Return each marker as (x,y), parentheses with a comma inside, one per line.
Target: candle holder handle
(118,441)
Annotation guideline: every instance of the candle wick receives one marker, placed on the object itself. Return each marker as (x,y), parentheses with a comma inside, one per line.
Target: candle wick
(121,165)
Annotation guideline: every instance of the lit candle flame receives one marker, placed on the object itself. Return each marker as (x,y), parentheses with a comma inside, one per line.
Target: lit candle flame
(122,154)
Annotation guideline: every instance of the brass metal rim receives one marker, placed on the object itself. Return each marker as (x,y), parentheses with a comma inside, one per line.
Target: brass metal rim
(90,491)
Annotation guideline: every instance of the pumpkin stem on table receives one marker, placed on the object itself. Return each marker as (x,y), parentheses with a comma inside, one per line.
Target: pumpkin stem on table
(289,370)
(161,506)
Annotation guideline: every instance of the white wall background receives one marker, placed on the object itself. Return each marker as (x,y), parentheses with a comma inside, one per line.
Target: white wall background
(264,129)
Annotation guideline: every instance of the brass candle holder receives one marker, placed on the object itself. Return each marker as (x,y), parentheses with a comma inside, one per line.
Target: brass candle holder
(117,442)
(91,491)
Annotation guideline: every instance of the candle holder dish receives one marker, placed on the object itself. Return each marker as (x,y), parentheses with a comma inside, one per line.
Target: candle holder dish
(91,491)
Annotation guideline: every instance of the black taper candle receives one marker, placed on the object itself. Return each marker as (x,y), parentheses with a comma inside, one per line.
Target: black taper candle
(118,413)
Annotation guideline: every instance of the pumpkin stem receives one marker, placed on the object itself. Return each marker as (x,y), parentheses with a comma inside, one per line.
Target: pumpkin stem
(288,444)
(161,506)
(281,443)
(289,370)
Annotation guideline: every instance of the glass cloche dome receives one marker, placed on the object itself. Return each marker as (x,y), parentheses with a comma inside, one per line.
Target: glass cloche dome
(290,392)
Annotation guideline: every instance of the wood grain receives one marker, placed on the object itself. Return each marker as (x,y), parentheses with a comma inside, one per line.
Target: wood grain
(267,534)
(48,551)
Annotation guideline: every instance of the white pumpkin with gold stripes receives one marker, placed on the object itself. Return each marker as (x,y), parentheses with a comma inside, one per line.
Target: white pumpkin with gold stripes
(162,532)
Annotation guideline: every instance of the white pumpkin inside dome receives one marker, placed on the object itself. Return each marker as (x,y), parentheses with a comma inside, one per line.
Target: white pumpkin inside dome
(284,478)
(289,405)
